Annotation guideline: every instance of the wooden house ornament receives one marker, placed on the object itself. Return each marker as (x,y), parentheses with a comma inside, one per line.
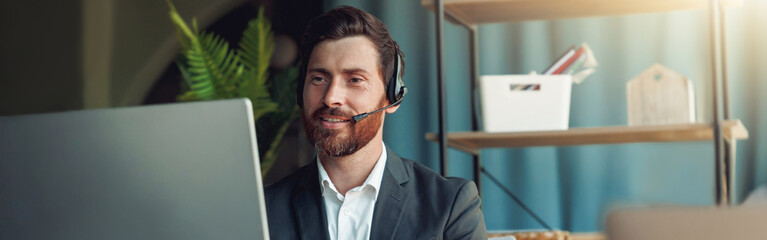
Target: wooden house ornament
(660,96)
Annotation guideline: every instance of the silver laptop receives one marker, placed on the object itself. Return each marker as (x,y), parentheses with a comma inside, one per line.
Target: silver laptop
(693,223)
(176,171)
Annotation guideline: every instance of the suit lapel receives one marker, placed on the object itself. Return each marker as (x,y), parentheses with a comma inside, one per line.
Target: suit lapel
(309,206)
(391,199)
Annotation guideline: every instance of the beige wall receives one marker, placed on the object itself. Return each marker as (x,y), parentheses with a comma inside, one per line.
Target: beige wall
(67,55)
(144,42)
(40,56)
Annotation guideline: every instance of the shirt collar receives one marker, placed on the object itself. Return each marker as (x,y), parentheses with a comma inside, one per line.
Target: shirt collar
(373,180)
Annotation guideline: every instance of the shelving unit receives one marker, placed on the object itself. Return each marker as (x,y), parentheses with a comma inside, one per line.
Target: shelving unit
(470,13)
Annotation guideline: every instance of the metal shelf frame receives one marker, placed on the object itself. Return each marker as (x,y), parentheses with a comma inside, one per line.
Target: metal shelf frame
(724,150)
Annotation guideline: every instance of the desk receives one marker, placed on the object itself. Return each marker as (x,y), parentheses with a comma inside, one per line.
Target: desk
(553,235)
(589,236)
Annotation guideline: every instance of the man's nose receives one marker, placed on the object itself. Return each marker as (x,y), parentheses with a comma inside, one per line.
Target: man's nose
(335,94)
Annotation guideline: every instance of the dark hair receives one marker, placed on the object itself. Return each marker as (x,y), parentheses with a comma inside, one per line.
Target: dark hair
(346,21)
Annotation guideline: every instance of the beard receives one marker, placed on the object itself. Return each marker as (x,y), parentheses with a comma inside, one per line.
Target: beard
(343,141)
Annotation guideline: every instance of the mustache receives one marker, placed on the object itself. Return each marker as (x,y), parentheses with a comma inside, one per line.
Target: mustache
(336,111)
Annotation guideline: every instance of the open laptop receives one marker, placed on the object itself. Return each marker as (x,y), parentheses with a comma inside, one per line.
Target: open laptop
(683,223)
(175,171)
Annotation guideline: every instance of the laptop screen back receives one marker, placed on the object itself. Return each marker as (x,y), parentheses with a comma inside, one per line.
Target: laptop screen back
(176,171)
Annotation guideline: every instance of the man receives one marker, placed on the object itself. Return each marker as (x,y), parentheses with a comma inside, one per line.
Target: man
(357,188)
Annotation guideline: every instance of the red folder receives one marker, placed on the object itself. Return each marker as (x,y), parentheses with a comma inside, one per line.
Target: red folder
(569,61)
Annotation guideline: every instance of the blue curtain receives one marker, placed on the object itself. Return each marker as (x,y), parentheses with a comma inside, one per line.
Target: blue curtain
(572,188)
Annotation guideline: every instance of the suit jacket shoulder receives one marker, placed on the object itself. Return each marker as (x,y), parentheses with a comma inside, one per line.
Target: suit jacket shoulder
(438,207)
(294,206)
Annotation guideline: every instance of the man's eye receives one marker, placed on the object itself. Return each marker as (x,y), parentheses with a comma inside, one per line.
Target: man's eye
(355,80)
(317,79)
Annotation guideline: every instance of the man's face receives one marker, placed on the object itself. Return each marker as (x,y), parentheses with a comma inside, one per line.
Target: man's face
(343,79)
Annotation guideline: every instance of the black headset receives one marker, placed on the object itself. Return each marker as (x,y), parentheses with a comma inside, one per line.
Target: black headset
(395,89)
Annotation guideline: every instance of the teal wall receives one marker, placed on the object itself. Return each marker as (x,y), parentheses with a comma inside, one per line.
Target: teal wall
(573,187)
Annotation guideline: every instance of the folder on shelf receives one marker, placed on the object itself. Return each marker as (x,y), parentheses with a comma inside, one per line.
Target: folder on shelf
(576,65)
(578,62)
(570,61)
(561,60)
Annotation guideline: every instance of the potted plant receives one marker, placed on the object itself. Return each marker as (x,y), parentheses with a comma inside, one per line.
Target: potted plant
(212,70)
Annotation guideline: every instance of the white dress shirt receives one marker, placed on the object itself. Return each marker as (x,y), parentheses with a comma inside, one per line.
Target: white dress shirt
(351,216)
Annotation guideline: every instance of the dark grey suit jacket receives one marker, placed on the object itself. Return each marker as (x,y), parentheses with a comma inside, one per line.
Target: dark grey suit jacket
(414,202)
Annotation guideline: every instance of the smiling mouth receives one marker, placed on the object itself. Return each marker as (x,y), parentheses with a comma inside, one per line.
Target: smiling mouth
(334,120)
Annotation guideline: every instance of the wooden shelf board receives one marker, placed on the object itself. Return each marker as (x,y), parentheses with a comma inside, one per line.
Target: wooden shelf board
(473,141)
(489,11)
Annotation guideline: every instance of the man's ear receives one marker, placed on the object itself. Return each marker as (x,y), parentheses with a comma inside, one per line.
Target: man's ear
(392,109)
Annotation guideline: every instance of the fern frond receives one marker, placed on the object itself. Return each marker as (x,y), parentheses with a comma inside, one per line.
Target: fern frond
(221,64)
(183,33)
(256,47)
(212,70)
(208,65)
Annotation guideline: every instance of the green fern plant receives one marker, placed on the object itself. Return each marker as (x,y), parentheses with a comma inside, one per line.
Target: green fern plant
(212,70)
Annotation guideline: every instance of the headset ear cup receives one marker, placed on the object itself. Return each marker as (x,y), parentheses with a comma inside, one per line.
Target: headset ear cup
(395,88)
(391,90)
(399,89)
